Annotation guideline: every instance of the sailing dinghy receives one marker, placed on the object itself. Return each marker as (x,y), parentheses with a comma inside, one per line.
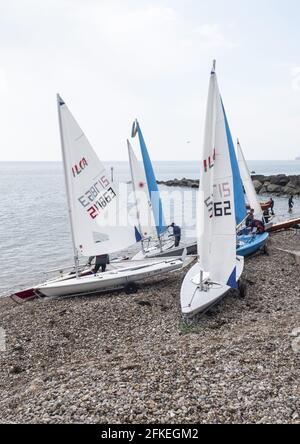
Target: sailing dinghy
(251,243)
(94,206)
(151,221)
(218,267)
(247,243)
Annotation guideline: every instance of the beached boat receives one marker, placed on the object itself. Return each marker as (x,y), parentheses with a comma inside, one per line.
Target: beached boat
(249,243)
(264,205)
(121,276)
(94,205)
(155,237)
(149,212)
(218,268)
(285,225)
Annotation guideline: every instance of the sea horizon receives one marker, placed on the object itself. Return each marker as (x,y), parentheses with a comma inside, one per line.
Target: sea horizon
(164,169)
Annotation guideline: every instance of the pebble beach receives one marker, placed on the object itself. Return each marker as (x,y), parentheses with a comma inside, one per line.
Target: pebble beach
(121,358)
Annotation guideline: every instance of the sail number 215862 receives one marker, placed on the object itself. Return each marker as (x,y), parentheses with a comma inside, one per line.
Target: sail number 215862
(217,205)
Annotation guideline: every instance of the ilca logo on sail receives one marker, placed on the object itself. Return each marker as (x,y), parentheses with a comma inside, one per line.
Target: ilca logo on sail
(77,169)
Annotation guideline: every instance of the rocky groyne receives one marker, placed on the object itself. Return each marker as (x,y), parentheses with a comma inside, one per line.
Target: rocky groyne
(279,185)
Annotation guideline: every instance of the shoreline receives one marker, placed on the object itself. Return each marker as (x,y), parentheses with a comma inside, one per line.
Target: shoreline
(277,185)
(129,359)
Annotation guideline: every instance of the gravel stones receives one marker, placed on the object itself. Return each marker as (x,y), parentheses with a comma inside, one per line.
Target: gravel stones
(121,358)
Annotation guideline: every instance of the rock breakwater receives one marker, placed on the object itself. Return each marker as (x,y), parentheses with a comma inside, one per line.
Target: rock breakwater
(279,185)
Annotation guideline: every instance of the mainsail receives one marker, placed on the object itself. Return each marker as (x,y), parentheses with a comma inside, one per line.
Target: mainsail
(239,199)
(93,201)
(151,182)
(146,223)
(248,184)
(216,216)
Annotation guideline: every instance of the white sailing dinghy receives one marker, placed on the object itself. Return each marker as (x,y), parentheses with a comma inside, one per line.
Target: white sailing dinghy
(153,230)
(142,201)
(249,244)
(248,184)
(94,206)
(218,267)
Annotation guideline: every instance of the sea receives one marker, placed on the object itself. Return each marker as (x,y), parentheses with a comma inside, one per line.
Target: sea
(34,226)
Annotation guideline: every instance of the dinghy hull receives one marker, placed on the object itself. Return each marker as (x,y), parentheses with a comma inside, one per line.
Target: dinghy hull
(194,300)
(284,225)
(264,206)
(251,244)
(107,281)
(154,251)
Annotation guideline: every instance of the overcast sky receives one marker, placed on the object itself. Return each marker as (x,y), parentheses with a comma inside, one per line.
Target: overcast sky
(112,61)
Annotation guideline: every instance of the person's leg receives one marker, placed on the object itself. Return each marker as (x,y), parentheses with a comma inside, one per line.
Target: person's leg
(103,267)
(177,241)
(97,265)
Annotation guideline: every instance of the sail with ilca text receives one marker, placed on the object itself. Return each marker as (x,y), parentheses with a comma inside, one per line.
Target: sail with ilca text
(216,228)
(93,200)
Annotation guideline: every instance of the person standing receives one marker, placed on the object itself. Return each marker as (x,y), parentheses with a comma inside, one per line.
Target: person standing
(101,261)
(272,206)
(176,233)
(291,204)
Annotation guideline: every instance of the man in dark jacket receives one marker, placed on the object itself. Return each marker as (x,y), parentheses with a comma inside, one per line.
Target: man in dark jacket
(291,204)
(101,261)
(272,206)
(176,233)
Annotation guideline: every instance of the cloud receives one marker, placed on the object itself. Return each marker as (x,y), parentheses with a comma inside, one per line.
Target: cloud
(111,61)
(146,40)
(211,37)
(295,73)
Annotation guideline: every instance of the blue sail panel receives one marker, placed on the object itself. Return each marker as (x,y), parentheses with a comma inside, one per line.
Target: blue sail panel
(138,236)
(239,196)
(232,283)
(152,186)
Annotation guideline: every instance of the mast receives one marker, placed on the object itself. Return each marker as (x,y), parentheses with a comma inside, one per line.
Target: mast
(210,107)
(247,183)
(60,102)
(134,192)
(213,70)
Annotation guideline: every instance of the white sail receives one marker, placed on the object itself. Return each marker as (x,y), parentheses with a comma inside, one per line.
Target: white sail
(248,184)
(216,217)
(143,204)
(92,199)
